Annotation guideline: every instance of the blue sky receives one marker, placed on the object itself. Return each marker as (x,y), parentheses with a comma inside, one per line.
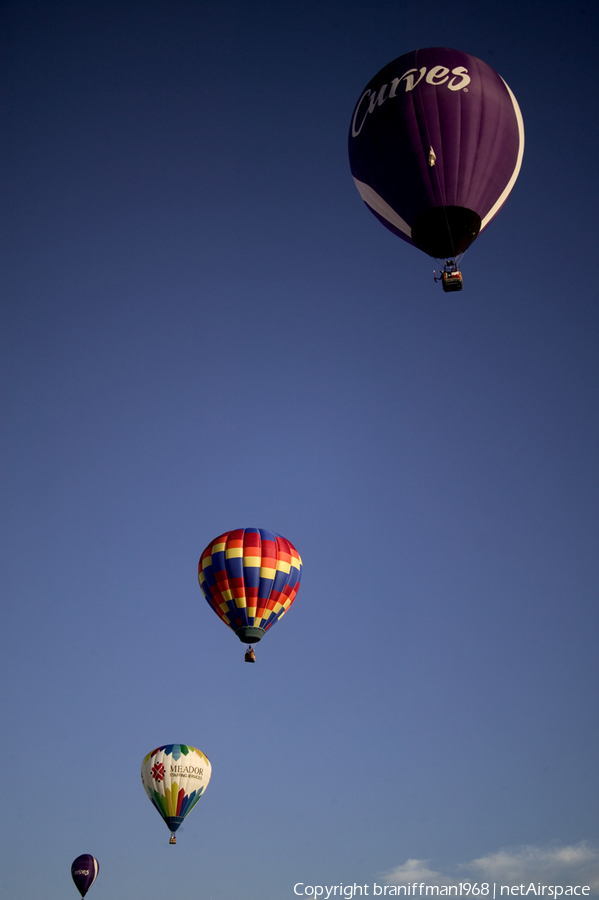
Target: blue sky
(205,329)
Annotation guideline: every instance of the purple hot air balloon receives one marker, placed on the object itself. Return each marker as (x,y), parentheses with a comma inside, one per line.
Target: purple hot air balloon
(435,146)
(84,872)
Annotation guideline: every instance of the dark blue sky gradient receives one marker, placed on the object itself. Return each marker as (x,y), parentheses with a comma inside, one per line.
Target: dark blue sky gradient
(204,329)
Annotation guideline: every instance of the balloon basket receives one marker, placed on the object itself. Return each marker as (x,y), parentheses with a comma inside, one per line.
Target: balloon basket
(172,839)
(250,656)
(450,277)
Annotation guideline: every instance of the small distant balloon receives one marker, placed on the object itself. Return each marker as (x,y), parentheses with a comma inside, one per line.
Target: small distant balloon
(84,872)
(174,777)
(250,578)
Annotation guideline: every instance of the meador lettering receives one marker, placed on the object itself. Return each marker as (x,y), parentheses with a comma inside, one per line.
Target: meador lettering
(436,76)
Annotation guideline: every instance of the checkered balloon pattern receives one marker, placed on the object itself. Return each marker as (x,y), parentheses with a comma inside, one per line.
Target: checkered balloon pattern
(250,577)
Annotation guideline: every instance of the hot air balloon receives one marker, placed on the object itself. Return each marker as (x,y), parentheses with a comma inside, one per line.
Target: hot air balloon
(250,578)
(84,872)
(435,146)
(174,778)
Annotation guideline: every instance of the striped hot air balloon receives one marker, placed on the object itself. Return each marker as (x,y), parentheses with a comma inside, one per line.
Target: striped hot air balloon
(84,872)
(435,146)
(174,777)
(250,578)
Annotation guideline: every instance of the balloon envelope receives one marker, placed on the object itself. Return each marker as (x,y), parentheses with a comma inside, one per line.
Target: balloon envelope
(174,777)
(250,578)
(435,146)
(84,872)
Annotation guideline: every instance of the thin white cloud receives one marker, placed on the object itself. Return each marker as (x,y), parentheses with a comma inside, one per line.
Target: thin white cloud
(553,864)
(539,863)
(416,870)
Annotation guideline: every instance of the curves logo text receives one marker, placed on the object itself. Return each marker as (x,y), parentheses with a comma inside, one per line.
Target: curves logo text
(436,76)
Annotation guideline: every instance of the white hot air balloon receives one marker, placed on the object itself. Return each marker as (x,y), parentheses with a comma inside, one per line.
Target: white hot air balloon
(174,777)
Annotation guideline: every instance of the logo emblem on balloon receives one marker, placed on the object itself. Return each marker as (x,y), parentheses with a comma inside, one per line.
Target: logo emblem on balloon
(158,772)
